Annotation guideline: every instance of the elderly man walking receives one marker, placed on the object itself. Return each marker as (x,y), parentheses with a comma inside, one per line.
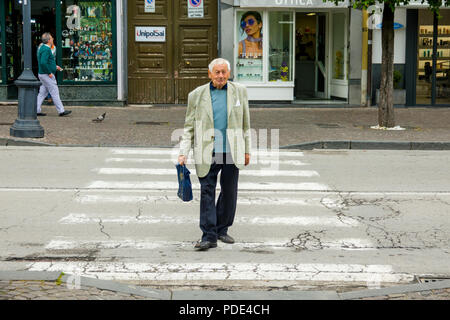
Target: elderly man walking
(217,125)
(47,70)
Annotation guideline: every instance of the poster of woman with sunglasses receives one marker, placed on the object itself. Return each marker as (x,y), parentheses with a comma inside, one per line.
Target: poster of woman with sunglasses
(251,46)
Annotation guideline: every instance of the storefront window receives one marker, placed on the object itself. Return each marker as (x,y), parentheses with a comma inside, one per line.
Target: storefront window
(425,59)
(13,43)
(338,46)
(87,40)
(249,66)
(281,26)
(1,47)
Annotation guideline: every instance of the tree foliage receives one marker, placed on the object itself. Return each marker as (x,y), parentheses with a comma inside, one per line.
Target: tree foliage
(433,5)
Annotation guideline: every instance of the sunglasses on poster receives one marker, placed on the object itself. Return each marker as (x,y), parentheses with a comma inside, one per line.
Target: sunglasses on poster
(249,22)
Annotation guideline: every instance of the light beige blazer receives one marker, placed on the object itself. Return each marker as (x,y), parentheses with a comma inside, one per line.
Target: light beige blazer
(199,126)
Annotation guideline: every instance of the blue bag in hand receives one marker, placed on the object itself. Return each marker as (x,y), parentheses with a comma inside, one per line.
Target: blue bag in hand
(184,183)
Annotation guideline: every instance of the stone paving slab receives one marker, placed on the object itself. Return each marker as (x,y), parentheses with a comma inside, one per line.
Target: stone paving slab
(298,127)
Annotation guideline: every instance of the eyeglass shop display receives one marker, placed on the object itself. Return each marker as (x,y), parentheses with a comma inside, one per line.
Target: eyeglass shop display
(87,46)
(249,62)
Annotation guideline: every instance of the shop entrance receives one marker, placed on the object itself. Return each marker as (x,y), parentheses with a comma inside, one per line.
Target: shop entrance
(166,68)
(43,19)
(310,56)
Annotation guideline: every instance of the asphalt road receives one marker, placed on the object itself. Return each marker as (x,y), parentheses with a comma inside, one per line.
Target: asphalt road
(336,216)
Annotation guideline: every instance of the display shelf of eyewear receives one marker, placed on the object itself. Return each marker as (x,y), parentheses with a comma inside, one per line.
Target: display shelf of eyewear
(249,68)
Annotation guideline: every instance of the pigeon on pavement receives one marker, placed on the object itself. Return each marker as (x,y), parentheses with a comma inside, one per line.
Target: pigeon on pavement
(100,118)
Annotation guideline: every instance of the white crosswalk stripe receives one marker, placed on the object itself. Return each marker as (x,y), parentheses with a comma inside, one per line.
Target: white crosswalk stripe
(227,271)
(337,244)
(255,199)
(274,162)
(170,172)
(80,218)
(173,185)
(146,178)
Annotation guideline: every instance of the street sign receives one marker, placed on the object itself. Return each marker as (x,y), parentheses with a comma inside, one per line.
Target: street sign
(149,6)
(150,34)
(195,9)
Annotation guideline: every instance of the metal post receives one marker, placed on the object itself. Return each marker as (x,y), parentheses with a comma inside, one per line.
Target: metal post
(27,125)
(434,57)
(365,37)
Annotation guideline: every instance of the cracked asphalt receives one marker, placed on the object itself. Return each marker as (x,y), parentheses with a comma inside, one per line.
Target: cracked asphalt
(371,218)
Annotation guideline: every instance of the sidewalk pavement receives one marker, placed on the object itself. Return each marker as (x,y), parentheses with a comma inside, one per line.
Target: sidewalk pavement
(299,127)
(28,285)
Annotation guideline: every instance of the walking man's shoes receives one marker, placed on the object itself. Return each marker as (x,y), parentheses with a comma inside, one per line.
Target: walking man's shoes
(205,245)
(41,114)
(226,238)
(65,113)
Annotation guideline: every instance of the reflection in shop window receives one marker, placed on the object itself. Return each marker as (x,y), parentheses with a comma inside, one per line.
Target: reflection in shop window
(281,26)
(87,40)
(250,47)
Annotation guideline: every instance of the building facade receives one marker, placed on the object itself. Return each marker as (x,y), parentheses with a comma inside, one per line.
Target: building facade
(118,52)
(304,51)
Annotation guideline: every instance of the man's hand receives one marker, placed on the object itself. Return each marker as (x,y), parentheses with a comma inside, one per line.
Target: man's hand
(247,159)
(50,75)
(181,159)
(59,68)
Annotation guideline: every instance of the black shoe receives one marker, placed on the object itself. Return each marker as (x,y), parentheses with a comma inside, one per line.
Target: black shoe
(41,114)
(226,238)
(205,245)
(65,113)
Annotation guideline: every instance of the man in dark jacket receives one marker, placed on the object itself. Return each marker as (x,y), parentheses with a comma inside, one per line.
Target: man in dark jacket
(47,71)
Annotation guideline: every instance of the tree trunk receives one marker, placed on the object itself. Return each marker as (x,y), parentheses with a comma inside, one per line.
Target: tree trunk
(386,104)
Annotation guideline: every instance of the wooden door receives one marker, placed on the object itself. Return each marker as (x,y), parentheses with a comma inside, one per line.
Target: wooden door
(165,72)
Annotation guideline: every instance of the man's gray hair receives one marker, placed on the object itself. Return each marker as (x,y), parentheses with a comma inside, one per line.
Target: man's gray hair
(219,61)
(46,37)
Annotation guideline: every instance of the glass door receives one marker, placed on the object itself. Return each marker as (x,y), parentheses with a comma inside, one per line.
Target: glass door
(321,73)
(339,77)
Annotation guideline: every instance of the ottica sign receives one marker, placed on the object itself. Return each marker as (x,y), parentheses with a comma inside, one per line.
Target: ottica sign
(150,34)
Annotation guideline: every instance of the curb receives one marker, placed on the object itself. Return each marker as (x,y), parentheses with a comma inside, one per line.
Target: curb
(72,280)
(370,145)
(163,294)
(23,143)
(417,287)
(351,145)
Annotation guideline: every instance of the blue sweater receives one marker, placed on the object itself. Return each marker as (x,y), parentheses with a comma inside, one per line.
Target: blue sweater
(219,104)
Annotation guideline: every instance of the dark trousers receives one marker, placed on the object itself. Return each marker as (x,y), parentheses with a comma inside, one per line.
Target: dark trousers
(215,219)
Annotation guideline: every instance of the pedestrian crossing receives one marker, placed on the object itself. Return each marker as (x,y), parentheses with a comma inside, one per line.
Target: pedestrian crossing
(148,233)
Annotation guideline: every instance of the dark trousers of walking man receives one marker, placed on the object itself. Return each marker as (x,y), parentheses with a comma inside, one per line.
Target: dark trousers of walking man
(215,220)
